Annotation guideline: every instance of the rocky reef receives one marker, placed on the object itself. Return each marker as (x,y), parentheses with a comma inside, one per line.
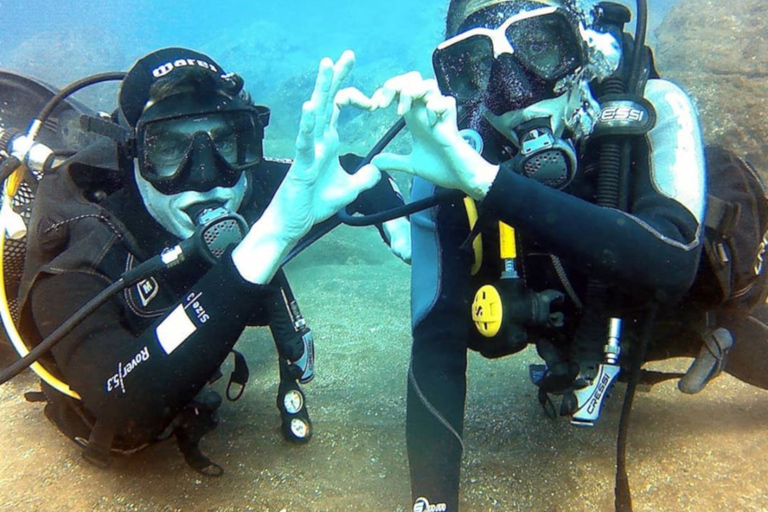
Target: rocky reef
(718,51)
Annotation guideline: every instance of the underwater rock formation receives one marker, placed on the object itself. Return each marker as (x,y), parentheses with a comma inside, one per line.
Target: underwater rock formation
(718,51)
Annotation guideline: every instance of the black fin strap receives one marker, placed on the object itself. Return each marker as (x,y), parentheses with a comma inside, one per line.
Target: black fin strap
(99,445)
(239,377)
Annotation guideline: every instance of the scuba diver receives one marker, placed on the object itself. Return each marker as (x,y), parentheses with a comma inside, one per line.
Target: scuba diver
(178,171)
(582,227)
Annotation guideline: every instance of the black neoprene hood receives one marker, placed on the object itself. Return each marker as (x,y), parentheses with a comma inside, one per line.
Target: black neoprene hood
(134,91)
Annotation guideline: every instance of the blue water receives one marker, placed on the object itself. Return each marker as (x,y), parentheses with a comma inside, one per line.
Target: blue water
(275,46)
(304,31)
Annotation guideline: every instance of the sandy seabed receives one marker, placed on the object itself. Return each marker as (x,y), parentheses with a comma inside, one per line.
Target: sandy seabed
(702,453)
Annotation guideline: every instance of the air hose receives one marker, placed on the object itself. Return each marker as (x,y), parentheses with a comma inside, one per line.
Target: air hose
(636,85)
(217,230)
(65,93)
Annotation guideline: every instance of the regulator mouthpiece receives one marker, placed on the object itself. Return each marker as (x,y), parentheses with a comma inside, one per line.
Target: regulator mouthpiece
(217,229)
(544,157)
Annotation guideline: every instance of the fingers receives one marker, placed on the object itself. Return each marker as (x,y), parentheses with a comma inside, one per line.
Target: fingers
(305,140)
(330,76)
(321,93)
(416,90)
(406,89)
(366,177)
(392,162)
(392,87)
(341,71)
(320,110)
(440,107)
(351,96)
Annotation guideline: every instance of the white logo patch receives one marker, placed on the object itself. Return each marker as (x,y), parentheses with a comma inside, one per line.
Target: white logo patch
(166,68)
(147,290)
(422,505)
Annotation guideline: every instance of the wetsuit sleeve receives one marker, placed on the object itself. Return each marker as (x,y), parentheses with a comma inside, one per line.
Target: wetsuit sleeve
(653,248)
(137,384)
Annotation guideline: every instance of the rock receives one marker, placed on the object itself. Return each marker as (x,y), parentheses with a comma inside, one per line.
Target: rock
(718,52)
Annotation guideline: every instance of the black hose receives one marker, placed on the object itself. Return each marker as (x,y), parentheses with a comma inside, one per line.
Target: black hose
(622,496)
(636,80)
(134,275)
(401,211)
(64,329)
(73,88)
(636,85)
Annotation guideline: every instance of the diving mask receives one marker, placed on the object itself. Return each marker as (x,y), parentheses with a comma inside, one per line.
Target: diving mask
(198,151)
(529,50)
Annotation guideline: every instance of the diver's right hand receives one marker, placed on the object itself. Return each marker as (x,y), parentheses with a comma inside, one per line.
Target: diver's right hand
(315,187)
(439,154)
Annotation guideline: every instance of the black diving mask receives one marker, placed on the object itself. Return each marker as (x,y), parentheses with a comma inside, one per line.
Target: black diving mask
(527,54)
(200,150)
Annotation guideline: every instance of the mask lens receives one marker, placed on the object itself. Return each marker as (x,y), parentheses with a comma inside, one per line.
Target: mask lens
(241,142)
(165,143)
(163,150)
(463,68)
(546,45)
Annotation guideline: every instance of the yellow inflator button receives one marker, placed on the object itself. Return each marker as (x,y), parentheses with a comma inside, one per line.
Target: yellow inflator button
(487,311)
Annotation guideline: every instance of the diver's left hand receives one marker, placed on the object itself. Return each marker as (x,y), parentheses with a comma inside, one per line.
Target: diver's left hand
(315,187)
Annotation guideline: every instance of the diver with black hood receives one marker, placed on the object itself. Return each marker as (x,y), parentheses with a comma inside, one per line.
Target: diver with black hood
(188,167)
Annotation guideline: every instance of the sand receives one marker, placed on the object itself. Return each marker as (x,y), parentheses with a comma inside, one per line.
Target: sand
(701,453)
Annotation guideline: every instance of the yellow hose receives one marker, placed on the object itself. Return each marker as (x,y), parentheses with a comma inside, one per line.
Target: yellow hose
(9,190)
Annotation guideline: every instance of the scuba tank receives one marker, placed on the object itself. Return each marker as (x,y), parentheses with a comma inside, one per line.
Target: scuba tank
(39,147)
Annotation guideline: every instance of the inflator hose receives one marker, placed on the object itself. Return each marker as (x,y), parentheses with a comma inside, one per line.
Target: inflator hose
(68,91)
(133,276)
(622,494)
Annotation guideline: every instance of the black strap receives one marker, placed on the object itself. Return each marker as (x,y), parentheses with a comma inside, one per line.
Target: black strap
(239,376)
(97,452)
(196,420)
(547,405)
(35,396)
(721,215)
(196,459)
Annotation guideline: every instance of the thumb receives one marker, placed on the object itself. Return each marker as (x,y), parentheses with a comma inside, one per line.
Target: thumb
(366,177)
(393,162)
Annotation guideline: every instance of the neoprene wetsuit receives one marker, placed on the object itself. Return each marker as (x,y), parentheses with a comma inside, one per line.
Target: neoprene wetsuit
(651,251)
(143,355)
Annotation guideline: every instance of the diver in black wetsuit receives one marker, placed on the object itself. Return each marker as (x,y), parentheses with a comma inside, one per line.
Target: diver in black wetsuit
(140,363)
(526,75)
